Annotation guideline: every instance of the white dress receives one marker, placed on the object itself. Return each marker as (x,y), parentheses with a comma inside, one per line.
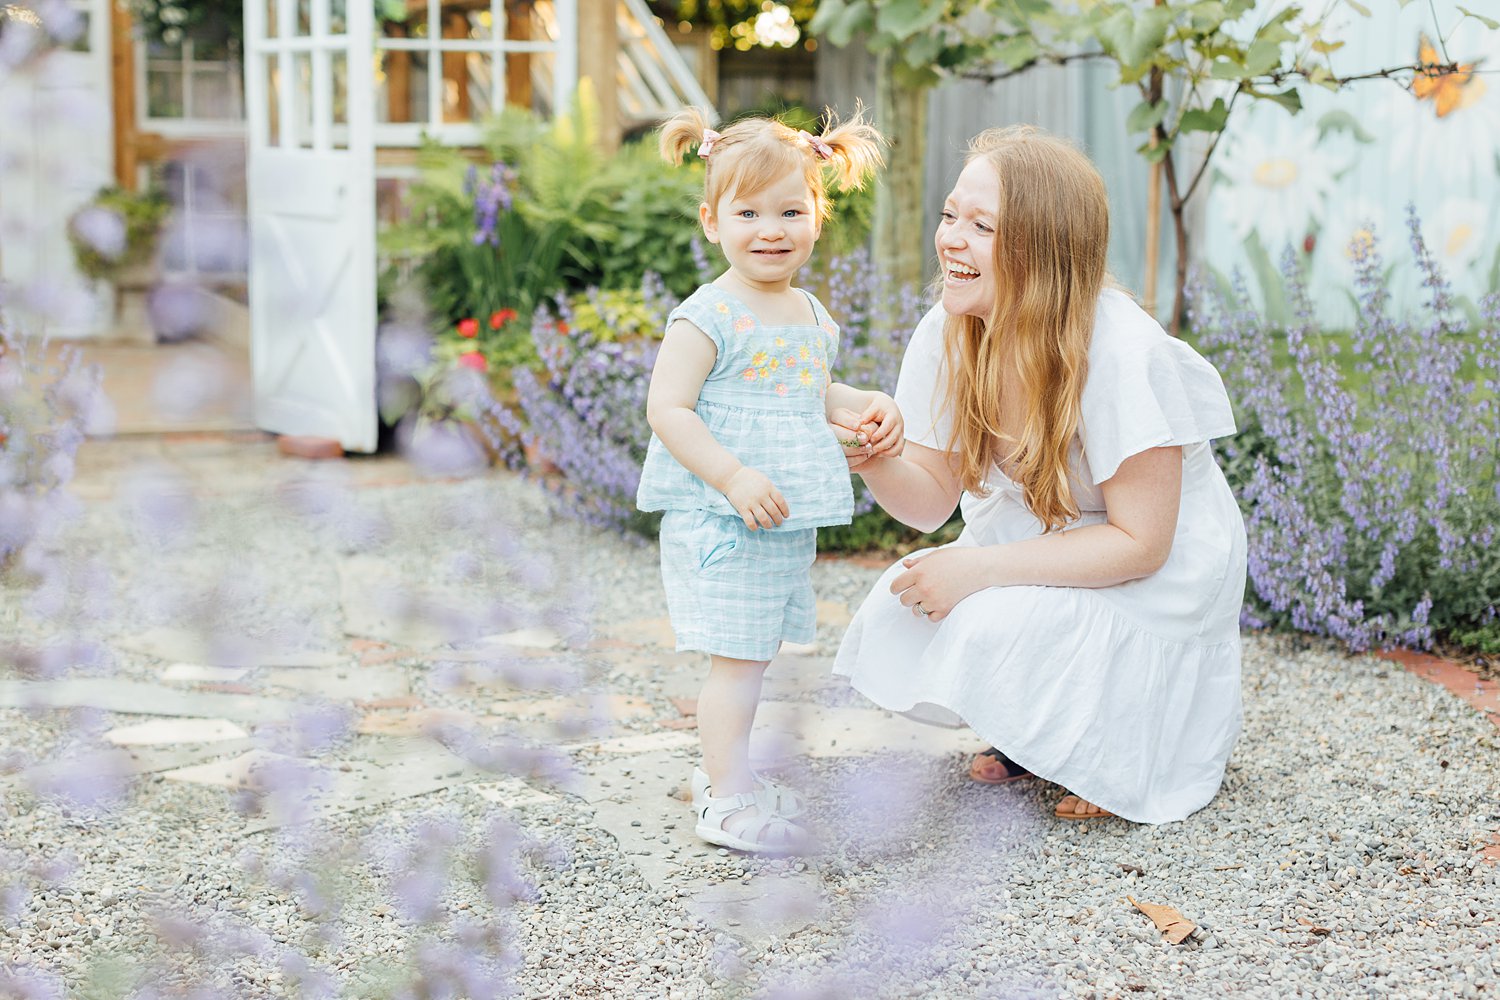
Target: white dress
(1129,695)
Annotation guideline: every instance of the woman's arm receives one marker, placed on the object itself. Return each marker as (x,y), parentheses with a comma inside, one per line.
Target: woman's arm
(683,364)
(920,488)
(1142,501)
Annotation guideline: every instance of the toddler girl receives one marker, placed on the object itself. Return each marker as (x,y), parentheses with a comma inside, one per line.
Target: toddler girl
(743,460)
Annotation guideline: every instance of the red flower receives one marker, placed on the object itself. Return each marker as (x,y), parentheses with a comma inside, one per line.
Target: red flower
(474,360)
(501,317)
(468,328)
(1309,242)
(562,328)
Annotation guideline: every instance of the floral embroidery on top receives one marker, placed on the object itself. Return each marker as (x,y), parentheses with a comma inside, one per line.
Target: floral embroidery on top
(723,307)
(744,324)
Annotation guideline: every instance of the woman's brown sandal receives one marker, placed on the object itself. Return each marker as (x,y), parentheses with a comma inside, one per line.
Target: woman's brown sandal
(982,768)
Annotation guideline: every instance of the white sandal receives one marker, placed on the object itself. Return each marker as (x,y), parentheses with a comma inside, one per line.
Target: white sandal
(766,832)
(777,797)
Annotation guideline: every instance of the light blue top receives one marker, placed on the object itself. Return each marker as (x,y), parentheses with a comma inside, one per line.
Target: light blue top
(763,400)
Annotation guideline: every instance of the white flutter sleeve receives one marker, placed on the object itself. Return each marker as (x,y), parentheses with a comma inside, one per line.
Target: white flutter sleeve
(920,386)
(1145,389)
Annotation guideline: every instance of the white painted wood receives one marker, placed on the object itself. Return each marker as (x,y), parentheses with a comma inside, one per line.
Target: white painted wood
(312,228)
(56,151)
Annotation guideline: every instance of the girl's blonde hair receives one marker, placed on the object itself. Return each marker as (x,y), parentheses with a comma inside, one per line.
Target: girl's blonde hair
(754,153)
(1049,266)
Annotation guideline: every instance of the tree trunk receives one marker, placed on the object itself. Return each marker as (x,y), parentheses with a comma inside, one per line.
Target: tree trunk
(1179,230)
(900,240)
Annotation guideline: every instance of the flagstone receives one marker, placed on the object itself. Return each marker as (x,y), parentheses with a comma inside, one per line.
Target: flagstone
(137,698)
(653,632)
(834,613)
(786,730)
(124,763)
(513,793)
(162,731)
(616,707)
(344,684)
(524,638)
(758,910)
(379,603)
(219,649)
(638,743)
(197,672)
(236,772)
(410,723)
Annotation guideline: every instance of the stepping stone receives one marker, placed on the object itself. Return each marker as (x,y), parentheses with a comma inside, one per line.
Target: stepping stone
(345,683)
(761,909)
(186,646)
(133,697)
(787,730)
(379,603)
(512,793)
(164,731)
(193,673)
(834,613)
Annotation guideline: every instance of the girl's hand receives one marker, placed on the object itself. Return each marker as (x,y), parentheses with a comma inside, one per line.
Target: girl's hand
(756,499)
(888,438)
(854,438)
(939,579)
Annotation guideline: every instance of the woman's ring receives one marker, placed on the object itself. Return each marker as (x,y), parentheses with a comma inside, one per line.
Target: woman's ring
(920,610)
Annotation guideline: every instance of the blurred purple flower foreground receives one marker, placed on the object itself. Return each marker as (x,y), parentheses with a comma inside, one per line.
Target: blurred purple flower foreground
(1370,482)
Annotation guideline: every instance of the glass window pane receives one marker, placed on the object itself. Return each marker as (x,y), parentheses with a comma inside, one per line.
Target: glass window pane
(304,17)
(269,75)
(401,77)
(271,6)
(339,66)
(302,88)
(466,86)
(216,92)
(164,90)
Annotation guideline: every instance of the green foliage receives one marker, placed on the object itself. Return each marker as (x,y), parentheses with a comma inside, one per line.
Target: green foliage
(611,316)
(877,533)
(141,214)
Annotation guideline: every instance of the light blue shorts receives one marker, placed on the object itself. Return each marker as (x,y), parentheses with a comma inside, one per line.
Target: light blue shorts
(736,592)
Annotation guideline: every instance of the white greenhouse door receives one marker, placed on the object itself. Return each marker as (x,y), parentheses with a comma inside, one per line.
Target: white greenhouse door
(56,151)
(311,190)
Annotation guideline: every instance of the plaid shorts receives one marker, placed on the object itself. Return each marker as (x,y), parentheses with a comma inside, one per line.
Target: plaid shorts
(735,592)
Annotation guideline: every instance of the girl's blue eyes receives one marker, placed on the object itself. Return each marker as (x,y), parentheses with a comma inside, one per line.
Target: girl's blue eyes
(749,213)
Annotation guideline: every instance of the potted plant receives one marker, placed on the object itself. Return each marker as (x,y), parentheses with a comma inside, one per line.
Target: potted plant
(115,239)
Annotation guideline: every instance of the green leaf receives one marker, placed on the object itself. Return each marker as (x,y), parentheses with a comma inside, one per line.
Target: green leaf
(923,50)
(1488,22)
(1264,56)
(1326,47)
(1156,153)
(1225,69)
(1016,51)
(1210,119)
(1359,8)
(843,23)
(905,18)
(1289,99)
(1146,116)
(1343,121)
(828,13)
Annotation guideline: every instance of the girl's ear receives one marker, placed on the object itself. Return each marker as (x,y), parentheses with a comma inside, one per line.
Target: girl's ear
(708,222)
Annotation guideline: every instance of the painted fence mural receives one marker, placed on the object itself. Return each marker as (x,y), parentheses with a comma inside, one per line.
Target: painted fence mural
(1352,162)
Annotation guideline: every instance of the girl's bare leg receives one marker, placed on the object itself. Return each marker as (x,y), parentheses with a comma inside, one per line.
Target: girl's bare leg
(726,712)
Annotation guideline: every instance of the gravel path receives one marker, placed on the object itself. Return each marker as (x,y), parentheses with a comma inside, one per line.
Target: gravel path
(1341,858)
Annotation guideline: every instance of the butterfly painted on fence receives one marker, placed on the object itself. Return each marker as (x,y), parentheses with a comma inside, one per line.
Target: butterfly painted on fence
(1447,89)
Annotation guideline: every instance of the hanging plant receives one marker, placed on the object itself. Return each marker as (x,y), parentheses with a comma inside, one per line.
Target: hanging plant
(206,22)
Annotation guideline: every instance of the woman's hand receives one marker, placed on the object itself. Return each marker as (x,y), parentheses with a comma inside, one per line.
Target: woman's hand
(756,498)
(888,438)
(939,579)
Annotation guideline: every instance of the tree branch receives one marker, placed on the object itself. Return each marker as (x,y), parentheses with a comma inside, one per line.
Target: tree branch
(1049,58)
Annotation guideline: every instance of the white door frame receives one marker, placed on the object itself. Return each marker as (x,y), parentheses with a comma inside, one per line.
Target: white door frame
(311,201)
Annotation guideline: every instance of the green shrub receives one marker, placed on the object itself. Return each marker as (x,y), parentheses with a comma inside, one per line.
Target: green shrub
(116,231)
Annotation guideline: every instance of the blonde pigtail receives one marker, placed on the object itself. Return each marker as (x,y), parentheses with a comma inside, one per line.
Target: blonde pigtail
(681,133)
(856,150)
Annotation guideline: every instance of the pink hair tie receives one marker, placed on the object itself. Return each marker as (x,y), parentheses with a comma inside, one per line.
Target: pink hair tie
(824,151)
(707,146)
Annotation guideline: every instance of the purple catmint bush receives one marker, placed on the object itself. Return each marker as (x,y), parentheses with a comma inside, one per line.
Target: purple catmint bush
(1368,469)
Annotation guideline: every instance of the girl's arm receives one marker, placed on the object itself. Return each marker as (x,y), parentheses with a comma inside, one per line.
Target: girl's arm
(1142,501)
(682,366)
